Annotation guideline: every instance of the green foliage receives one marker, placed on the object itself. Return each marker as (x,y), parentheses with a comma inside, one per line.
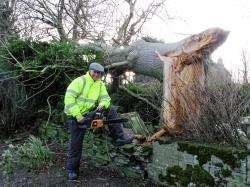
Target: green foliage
(175,174)
(42,59)
(47,131)
(196,174)
(52,132)
(130,158)
(7,163)
(96,147)
(246,88)
(43,71)
(30,155)
(33,154)
(226,172)
(201,176)
(11,97)
(147,150)
(32,54)
(230,156)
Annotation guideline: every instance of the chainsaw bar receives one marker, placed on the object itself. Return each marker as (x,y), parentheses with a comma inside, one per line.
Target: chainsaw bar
(118,120)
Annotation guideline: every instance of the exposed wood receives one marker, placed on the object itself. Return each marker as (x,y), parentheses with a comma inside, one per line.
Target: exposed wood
(184,70)
(143,60)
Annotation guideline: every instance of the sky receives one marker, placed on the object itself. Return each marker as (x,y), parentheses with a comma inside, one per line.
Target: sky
(189,17)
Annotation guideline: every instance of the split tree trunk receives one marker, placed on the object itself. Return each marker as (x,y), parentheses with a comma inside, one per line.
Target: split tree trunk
(185,66)
(141,58)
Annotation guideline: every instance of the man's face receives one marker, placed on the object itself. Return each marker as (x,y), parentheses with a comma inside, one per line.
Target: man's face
(95,74)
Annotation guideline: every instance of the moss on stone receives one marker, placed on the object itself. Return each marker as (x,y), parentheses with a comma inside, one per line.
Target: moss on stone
(176,175)
(226,172)
(147,149)
(201,176)
(165,140)
(229,155)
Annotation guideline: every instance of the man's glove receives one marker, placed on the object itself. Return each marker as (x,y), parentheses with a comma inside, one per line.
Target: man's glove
(83,122)
(80,120)
(100,107)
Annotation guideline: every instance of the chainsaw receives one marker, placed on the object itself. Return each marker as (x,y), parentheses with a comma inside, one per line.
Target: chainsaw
(96,119)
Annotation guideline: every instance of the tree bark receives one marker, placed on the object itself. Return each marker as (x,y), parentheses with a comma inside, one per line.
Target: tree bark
(142,59)
(181,66)
(7,18)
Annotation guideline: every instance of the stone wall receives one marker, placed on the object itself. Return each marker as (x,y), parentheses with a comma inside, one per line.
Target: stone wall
(228,166)
(168,155)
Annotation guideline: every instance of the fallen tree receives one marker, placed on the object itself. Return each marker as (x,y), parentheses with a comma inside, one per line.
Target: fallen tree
(181,66)
(185,64)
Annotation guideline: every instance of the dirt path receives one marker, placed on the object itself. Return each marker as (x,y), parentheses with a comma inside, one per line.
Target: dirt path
(56,175)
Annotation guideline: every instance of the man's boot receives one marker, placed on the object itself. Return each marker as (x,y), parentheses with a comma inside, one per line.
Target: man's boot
(72,176)
(124,139)
(117,131)
(118,134)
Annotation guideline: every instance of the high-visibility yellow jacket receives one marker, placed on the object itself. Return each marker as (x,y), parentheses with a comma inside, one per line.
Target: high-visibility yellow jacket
(83,94)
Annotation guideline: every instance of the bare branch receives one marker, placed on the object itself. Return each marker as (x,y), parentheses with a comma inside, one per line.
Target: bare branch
(139,97)
(132,24)
(117,64)
(245,63)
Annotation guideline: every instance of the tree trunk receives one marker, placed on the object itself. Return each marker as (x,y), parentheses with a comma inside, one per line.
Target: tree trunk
(183,72)
(7,19)
(142,59)
(184,65)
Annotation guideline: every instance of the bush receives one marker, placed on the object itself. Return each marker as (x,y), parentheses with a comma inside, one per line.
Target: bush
(219,113)
(30,155)
(7,163)
(47,65)
(53,132)
(42,71)
(33,154)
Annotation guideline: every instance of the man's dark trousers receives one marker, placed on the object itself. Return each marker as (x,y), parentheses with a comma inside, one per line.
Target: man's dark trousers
(76,139)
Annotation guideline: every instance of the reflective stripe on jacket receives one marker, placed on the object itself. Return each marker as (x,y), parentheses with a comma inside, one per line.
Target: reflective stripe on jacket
(83,94)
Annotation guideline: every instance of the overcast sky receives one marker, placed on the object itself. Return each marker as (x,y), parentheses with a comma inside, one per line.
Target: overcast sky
(194,16)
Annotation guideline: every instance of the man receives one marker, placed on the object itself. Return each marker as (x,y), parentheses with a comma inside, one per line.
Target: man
(84,95)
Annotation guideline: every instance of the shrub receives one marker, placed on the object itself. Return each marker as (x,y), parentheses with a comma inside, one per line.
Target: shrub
(8,162)
(218,116)
(53,132)
(30,155)
(14,111)
(178,176)
(40,70)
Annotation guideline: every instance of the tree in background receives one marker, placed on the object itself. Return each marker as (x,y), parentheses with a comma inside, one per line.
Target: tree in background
(8,17)
(245,63)
(87,19)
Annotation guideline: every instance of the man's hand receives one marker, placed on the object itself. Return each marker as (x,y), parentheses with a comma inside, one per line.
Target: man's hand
(80,119)
(100,107)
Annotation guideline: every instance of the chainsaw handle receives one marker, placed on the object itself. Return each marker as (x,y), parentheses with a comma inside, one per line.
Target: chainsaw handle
(96,123)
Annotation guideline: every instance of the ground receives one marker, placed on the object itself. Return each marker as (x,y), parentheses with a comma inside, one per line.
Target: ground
(56,175)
